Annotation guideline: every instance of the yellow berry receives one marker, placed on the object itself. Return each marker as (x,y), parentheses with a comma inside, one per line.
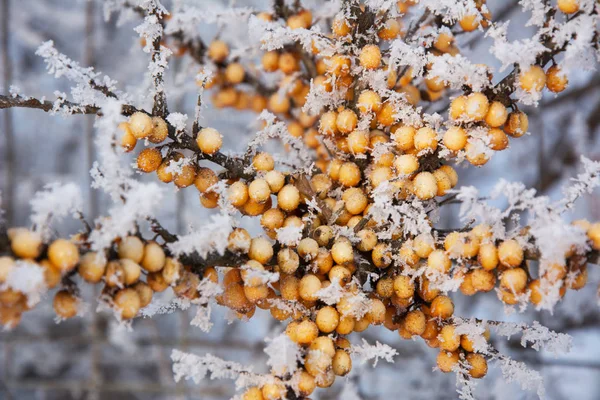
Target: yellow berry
(131,247)
(149,160)
(260,250)
(469,23)
(458,107)
(349,174)
(404,137)
(234,73)
(370,56)
(517,124)
(327,319)
(288,198)
(346,121)
(92,267)
(496,115)
(476,106)
(532,79)
(514,279)
(369,101)
(556,80)
(209,140)
(425,185)
(447,360)
(425,139)
(63,254)
(25,243)
(259,190)
(270,61)
(390,30)
(306,332)
(218,51)
(342,363)
(128,141)
(160,131)
(127,303)
(510,253)
(478,365)
(449,340)
(141,125)
(342,251)
(455,138)
(340,26)
(238,194)
(66,304)
(442,307)
(443,42)
(275,180)
(154,258)
(593,234)
(568,6)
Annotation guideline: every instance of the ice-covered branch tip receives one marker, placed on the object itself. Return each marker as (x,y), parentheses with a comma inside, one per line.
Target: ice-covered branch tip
(368,352)
(56,201)
(91,87)
(151,31)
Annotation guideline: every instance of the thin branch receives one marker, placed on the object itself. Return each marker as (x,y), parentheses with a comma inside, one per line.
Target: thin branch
(160,98)
(73,108)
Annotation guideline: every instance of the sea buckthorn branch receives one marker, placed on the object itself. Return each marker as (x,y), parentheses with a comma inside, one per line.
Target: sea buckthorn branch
(10,101)
(235,167)
(362,214)
(503,89)
(198,263)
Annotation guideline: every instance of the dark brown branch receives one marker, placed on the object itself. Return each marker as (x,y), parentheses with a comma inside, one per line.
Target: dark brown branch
(194,260)
(304,186)
(22,102)
(74,108)
(307,61)
(412,29)
(235,166)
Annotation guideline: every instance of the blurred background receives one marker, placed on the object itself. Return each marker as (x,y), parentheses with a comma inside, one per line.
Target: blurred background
(94,358)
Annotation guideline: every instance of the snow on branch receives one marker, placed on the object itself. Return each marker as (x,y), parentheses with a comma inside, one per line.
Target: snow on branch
(536,336)
(583,183)
(55,202)
(517,371)
(451,10)
(283,353)
(300,156)
(141,201)
(274,36)
(457,71)
(410,215)
(208,290)
(91,88)
(331,294)
(189,366)
(28,278)
(464,383)
(213,237)
(522,52)
(367,352)
(151,31)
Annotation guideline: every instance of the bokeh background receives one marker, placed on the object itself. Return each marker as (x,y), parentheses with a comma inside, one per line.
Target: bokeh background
(94,358)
